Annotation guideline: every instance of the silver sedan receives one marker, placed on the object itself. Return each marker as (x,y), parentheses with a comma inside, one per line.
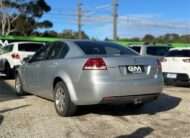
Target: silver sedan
(74,73)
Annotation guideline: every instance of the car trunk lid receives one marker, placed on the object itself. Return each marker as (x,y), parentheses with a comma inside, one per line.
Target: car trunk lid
(130,67)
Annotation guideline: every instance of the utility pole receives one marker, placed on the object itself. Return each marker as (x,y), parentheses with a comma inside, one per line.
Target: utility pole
(115,18)
(79,18)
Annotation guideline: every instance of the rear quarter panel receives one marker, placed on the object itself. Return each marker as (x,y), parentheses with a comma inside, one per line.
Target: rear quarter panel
(69,71)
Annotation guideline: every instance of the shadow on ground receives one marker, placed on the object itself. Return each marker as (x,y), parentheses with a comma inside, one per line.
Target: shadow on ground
(7,92)
(8,110)
(12,109)
(164,103)
(139,133)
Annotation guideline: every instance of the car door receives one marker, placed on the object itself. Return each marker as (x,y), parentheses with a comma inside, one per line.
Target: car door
(50,67)
(33,69)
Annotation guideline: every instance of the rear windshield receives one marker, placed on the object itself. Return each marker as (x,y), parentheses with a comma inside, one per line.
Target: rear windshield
(30,47)
(179,53)
(157,51)
(103,48)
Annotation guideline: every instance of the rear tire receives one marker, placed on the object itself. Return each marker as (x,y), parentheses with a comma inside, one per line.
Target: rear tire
(9,72)
(19,86)
(63,104)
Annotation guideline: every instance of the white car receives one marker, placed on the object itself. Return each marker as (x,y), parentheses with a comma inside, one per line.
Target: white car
(176,66)
(151,50)
(11,55)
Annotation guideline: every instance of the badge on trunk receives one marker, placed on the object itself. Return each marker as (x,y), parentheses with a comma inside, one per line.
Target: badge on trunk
(135,69)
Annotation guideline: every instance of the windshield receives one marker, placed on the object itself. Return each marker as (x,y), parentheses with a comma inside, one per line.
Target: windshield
(103,48)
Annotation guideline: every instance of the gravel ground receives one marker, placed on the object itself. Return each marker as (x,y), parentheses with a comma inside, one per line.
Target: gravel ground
(31,116)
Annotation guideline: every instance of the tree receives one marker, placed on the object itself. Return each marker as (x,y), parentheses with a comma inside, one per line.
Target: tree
(70,34)
(22,16)
(5,18)
(148,38)
(50,34)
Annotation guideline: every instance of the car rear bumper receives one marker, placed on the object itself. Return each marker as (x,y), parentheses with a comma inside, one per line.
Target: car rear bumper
(180,79)
(136,99)
(127,91)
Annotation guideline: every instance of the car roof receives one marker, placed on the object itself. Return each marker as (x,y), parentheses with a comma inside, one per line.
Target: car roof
(92,41)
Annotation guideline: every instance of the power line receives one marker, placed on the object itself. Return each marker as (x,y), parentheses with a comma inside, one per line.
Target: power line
(92,16)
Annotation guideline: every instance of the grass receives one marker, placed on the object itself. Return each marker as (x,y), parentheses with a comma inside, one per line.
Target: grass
(126,43)
(30,38)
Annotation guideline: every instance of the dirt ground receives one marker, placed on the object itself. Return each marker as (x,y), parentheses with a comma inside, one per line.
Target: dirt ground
(31,116)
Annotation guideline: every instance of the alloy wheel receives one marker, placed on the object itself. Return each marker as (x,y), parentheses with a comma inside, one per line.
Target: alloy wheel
(60,99)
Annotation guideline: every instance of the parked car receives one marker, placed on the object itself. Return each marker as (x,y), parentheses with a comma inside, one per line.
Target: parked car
(176,66)
(73,73)
(151,50)
(11,55)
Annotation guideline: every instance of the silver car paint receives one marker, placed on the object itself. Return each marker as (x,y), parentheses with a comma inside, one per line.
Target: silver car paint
(90,87)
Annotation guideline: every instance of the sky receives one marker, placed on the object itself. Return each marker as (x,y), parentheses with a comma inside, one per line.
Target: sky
(136,17)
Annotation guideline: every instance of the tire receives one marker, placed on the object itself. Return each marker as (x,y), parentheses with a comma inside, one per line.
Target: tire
(63,104)
(9,72)
(19,86)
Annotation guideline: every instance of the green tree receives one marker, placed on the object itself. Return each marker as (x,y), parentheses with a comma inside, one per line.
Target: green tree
(22,16)
(149,38)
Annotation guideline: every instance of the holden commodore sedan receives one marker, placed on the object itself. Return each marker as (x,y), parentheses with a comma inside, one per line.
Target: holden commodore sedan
(74,73)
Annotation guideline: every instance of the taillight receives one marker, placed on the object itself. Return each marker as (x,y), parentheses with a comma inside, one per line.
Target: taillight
(95,64)
(159,66)
(15,56)
(186,60)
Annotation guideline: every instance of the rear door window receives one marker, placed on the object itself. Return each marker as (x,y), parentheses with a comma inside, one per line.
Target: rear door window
(103,48)
(58,50)
(41,54)
(29,47)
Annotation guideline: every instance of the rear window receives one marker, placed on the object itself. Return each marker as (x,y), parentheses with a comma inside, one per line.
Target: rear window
(103,48)
(30,47)
(157,51)
(179,53)
(137,49)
